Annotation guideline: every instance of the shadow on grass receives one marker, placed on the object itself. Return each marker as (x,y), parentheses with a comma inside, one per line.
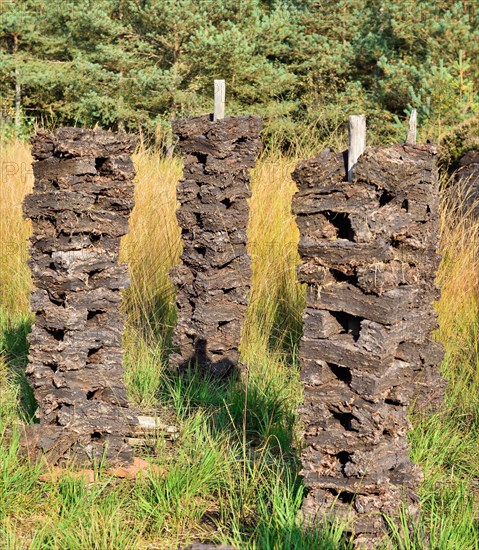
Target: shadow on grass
(258,419)
(14,349)
(277,317)
(247,408)
(325,537)
(256,414)
(287,325)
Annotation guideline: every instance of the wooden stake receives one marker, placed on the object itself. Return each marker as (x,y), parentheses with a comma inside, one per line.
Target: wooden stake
(220,93)
(169,146)
(357,141)
(412,132)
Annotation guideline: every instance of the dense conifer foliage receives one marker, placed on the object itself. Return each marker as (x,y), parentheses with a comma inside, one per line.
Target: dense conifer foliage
(137,64)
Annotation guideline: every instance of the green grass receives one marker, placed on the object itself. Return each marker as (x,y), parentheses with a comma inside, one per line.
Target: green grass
(230,477)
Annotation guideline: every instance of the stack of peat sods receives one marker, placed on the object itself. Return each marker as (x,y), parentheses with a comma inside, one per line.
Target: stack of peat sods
(79,208)
(467,178)
(215,276)
(369,257)
(468,170)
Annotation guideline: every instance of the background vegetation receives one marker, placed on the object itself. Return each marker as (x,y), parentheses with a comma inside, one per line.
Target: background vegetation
(301,64)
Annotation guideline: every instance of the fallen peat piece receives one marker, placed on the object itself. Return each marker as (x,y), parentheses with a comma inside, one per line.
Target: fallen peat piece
(369,257)
(79,208)
(215,277)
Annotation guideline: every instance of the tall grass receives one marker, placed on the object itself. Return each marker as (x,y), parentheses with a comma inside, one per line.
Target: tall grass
(16,180)
(232,475)
(152,246)
(274,320)
(445,444)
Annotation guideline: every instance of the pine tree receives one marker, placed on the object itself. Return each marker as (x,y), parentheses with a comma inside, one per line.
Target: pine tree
(19,46)
(302,64)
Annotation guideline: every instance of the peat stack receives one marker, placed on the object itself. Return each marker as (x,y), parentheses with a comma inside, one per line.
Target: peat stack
(467,182)
(468,170)
(369,257)
(79,208)
(214,279)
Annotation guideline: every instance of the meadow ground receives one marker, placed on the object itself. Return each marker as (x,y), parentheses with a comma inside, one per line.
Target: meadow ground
(232,475)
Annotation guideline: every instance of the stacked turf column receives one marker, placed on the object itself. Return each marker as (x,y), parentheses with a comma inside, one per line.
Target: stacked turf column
(368,250)
(215,276)
(79,208)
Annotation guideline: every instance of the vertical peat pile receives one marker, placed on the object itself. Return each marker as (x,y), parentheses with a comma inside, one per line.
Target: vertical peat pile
(215,277)
(468,169)
(466,178)
(369,257)
(79,208)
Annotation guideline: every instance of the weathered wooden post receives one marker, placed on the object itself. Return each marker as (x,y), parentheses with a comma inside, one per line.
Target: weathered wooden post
(215,276)
(412,131)
(357,141)
(220,99)
(368,248)
(79,208)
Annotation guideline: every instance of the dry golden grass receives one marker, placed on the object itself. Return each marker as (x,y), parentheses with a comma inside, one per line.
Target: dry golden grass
(153,244)
(458,278)
(272,244)
(16,180)
(458,275)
